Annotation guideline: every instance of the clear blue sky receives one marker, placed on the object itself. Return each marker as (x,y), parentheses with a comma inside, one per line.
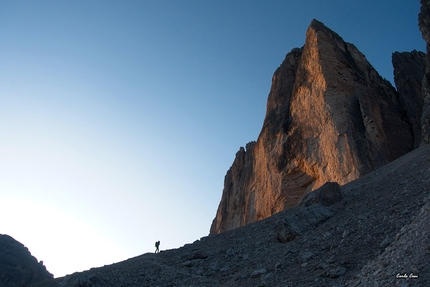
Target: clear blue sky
(119,119)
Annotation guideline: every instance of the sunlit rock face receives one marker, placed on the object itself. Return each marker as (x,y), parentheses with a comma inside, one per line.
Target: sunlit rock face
(409,70)
(329,117)
(424,24)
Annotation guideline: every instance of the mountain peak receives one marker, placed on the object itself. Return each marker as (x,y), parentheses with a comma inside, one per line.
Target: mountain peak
(326,120)
(315,24)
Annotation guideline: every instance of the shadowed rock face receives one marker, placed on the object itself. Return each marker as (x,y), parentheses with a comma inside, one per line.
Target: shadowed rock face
(329,117)
(17,266)
(424,24)
(409,70)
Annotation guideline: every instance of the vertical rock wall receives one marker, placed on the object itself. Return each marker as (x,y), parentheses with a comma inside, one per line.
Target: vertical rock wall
(329,117)
(424,25)
(409,70)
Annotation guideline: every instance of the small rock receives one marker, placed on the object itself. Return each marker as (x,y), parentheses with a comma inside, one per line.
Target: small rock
(335,272)
(283,233)
(267,278)
(387,241)
(326,235)
(322,265)
(307,255)
(199,255)
(231,251)
(225,268)
(406,211)
(345,233)
(214,266)
(259,272)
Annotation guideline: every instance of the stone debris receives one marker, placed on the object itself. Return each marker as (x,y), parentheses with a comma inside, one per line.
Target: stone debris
(333,248)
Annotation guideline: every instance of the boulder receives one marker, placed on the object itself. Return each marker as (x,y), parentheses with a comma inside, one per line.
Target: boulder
(300,220)
(327,195)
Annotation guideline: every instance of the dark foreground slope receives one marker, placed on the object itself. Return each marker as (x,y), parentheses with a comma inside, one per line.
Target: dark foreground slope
(378,232)
(17,266)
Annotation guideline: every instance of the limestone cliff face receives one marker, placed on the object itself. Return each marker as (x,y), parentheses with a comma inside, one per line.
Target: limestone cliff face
(424,24)
(329,117)
(409,70)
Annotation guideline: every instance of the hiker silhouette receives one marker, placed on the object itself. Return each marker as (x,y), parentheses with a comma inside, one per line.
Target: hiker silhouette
(157,245)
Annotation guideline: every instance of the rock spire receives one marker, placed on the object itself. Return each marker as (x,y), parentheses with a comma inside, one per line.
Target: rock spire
(330,117)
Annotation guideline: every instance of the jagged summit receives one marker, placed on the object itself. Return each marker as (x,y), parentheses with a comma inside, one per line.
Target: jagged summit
(330,117)
(319,26)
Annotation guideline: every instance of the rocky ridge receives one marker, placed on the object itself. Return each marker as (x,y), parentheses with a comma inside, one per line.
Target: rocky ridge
(17,266)
(330,117)
(374,234)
